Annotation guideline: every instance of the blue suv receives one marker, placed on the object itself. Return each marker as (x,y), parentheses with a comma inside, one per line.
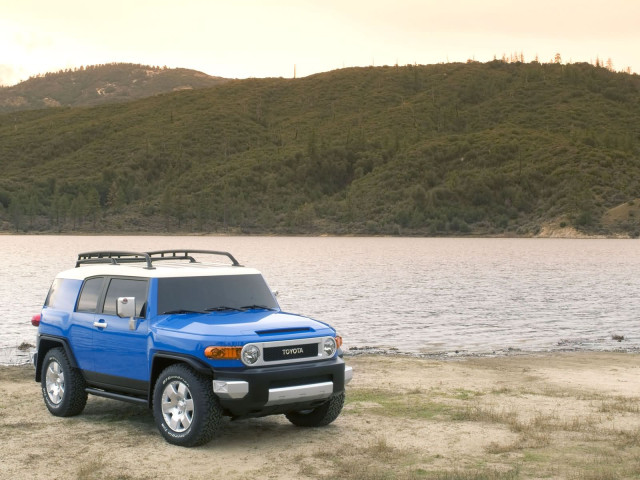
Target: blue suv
(193,341)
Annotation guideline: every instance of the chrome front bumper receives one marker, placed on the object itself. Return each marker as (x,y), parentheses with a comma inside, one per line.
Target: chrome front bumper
(238,389)
(348,374)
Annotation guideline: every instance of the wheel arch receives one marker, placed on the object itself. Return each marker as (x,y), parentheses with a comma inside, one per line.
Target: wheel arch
(46,343)
(162,360)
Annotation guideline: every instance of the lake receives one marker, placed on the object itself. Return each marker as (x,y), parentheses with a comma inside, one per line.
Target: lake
(445,296)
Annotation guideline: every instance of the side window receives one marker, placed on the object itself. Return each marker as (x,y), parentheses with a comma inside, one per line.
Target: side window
(53,293)
(88,300)
(63,294)
(126,287)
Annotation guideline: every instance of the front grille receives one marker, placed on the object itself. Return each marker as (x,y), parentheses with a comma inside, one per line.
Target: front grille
(290,352)
(282,352)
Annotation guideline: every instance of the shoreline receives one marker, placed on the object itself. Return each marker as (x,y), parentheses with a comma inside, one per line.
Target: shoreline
(463,354)
(567,233)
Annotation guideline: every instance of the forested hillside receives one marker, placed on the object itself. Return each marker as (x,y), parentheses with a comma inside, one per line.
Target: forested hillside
(490,149)
(98,84)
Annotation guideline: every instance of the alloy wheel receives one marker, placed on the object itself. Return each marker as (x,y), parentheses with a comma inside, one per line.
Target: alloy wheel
(177,406)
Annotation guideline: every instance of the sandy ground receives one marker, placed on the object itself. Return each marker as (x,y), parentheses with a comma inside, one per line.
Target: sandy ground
(552,415)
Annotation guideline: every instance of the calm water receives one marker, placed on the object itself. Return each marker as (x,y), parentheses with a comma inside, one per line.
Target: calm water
(416,295)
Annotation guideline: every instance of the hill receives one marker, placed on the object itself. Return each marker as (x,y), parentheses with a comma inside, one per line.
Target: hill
(488,149)
(95,85)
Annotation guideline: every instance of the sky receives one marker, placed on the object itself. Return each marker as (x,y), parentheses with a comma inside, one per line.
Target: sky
(283,38)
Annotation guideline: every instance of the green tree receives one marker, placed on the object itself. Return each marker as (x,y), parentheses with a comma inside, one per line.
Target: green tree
(116,198)
(16,211)
(78,210)
(93,206)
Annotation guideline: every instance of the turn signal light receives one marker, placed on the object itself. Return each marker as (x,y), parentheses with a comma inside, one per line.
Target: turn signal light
(338,341)
(35,320)
(223,353)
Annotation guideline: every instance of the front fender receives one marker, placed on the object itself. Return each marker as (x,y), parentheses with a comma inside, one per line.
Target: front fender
(162,360)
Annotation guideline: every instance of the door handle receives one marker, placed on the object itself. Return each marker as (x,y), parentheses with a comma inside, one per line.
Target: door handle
(100,324)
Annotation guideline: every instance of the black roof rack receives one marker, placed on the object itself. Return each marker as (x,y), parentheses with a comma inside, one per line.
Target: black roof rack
(114,258)
(185,255)
(117,257)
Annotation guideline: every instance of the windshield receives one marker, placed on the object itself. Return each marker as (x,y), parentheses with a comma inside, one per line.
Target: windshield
(214,293)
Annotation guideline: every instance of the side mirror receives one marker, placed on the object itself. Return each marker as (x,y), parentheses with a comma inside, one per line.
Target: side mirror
(126,307)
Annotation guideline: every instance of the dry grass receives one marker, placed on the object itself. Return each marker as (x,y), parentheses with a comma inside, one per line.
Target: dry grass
(558,431)
(620,405)
(379,460)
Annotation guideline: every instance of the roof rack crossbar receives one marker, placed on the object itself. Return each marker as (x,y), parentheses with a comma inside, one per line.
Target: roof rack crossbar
(186,255)
(113,258)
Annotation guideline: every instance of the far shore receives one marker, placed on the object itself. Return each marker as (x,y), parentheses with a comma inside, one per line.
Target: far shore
(547,231)
(555,415)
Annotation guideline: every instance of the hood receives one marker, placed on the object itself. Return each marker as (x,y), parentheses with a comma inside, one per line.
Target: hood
(248,326)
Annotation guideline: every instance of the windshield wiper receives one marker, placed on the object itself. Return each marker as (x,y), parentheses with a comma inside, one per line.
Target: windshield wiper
(257,307)
(219,308)
(222,308)
(181,310)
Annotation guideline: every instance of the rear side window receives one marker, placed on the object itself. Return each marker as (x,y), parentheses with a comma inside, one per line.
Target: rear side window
(52,297)
(63,294)
(126,287)
(91,289)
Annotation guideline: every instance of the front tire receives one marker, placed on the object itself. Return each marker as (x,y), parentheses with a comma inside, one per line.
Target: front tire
(319,416)
(185,408)
(63,387)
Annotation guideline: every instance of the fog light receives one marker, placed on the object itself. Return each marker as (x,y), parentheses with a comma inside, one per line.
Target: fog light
(250,354)
(329,346)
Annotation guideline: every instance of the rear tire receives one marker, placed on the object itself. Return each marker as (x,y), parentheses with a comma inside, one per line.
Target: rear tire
(185,408)
(319,416)
(63,387)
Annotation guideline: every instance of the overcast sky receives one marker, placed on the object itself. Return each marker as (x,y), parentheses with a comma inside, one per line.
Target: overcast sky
(254,38)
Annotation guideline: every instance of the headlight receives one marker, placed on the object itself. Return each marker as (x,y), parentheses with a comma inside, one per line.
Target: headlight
(250,354)
(329,346)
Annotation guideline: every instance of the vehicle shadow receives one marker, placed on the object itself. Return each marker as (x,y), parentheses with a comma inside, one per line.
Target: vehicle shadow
(131,418)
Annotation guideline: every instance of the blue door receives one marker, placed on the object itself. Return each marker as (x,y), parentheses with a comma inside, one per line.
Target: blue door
(81,327)
(119,345)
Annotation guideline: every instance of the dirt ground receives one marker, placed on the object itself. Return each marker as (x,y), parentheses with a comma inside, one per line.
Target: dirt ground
(572,415)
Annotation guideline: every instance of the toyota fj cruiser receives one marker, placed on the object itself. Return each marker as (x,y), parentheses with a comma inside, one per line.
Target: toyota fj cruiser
(193,341)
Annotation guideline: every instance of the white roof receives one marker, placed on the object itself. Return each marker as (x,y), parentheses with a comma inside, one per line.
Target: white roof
(160,270)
